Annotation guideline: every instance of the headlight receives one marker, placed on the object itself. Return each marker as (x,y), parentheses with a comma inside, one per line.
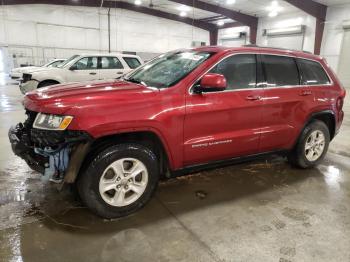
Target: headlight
(52,122)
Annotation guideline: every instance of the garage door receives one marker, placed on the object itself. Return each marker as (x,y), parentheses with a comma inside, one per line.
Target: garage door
(294,42)
(344,61)
(236,42)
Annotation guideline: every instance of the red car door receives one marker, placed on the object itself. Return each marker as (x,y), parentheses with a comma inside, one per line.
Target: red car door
(286,103)
(225,124)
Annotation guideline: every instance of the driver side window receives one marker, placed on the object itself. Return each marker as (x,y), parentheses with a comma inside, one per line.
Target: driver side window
(239,71)
(86,63)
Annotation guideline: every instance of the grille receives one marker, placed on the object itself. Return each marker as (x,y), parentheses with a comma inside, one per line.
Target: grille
(43,138)
(26,77)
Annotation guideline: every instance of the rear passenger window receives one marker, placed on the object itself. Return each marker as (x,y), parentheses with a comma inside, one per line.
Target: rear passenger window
(110,62)
(239,71)
(312,73)
(280,70)
(132,62)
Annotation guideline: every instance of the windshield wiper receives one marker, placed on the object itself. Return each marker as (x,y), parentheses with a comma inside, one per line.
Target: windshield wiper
(133,80)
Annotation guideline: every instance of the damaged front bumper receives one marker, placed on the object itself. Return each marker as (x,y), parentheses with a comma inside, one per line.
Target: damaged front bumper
(57,155)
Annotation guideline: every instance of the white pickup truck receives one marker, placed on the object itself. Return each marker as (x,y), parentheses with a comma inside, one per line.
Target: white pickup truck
(80,68)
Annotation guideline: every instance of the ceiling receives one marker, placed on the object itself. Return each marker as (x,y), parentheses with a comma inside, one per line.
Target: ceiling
(171,7)
(253,8)
(250,7)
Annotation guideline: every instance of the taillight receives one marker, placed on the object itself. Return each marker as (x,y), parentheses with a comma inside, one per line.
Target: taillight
(340,103)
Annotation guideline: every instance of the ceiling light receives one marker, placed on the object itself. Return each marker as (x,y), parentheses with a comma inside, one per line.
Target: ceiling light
(274,3)
(138,2)
(183,8)
(183,13)
(230,2)
(273,13)
(220,23)
(274,8)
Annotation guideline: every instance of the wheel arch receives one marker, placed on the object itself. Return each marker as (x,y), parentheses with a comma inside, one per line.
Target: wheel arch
(147,138)
(327,117)
(48,80)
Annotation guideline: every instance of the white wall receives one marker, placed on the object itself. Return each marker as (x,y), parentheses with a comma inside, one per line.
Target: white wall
(334,33)
(283,21)
(38,33)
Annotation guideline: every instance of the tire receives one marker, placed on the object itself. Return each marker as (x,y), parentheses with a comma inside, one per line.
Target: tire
(108,166)
(306,156)
(47,83)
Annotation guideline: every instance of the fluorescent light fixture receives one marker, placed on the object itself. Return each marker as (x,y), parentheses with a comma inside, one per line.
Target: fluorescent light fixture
(230,2)
(183,13)
(138,2)
(183,8)
(220,23)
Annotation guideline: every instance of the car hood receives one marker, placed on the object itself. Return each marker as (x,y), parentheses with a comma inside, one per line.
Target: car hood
(44,70)
(59,99)
(24,69)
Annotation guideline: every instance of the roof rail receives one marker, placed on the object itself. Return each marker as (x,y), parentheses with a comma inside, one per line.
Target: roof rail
(278,48)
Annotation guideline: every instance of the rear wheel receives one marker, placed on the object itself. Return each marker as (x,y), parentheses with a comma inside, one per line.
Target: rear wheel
(120,180)
(312,145)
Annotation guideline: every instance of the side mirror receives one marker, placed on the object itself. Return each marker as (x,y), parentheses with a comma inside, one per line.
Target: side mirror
(210,83)
(73,67)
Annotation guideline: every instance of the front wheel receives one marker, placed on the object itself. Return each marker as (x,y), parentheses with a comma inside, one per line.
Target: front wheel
(120,180)
(312,145)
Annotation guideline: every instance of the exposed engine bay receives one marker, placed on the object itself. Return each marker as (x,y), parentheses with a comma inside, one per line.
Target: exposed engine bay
(49,152)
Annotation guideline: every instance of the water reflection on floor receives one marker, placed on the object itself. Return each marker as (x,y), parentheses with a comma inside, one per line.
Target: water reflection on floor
(258,211)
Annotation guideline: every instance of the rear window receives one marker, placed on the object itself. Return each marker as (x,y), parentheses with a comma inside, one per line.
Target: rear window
(280,70)
(132,62)
(312,73)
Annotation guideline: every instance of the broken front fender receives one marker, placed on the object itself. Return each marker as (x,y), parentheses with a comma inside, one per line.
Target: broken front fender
(52,153)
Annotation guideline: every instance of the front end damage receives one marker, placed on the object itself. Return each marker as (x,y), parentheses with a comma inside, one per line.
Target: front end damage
(57,155)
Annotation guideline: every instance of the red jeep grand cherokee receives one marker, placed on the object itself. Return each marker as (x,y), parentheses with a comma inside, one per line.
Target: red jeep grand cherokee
(181,112)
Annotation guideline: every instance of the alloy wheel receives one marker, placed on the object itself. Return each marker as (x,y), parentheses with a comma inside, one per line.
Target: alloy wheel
(123,182)
(314,145)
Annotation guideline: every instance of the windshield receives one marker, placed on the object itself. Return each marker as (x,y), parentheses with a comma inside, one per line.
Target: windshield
(67,61)
(168,69)
(54,63)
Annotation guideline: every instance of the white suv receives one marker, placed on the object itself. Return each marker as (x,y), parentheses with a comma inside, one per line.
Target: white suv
(80,68)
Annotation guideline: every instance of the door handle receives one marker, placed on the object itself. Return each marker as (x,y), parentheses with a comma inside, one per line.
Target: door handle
(305,93)
(119,73)
(253,98)
(92,73)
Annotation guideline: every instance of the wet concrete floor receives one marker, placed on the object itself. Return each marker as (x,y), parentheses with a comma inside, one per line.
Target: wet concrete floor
(258,211)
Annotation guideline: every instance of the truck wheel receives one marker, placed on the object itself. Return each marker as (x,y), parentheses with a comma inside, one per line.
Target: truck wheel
(312,145)
(119,181)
